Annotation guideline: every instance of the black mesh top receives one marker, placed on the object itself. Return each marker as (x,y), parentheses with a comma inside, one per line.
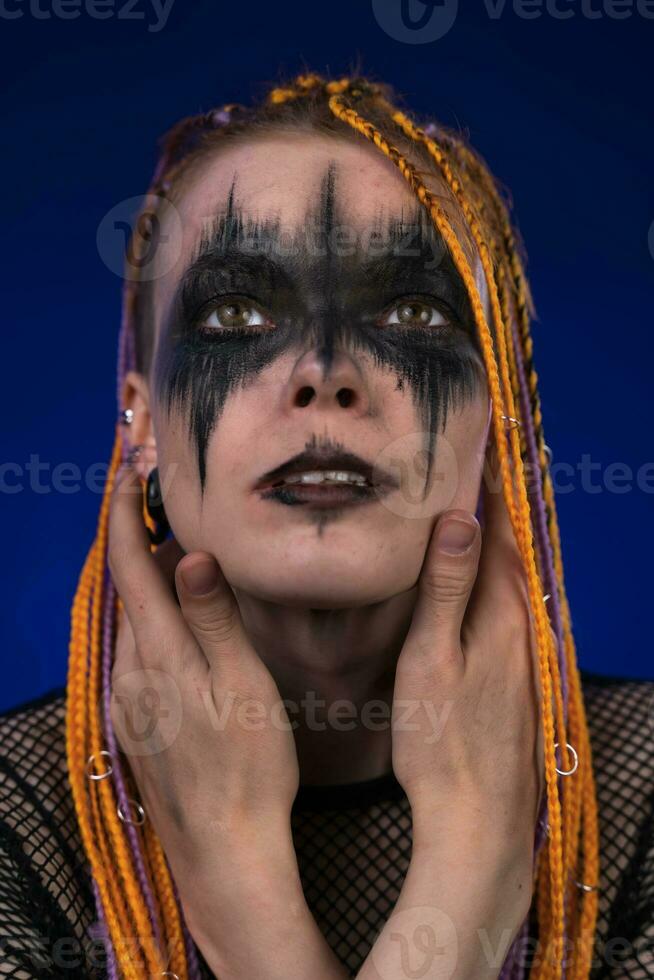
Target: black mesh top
(353,844)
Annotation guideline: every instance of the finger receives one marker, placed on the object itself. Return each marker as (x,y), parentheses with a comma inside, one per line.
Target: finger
(141,583)
(126,655)
(501,579)
(502,583)
(446,580)
(210,608)
(496,512)
(168,556)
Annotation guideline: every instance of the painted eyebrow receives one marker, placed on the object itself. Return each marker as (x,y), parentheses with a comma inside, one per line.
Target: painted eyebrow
(410,257)
(212,238)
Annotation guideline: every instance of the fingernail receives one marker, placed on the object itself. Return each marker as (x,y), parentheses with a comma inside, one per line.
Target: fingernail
(200,577)
(456,536)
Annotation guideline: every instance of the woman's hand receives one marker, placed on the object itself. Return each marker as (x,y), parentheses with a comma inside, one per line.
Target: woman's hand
(219,761)
(468,750)
(467,739)
(211,749)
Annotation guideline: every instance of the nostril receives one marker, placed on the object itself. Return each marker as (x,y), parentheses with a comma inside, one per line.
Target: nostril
(304,395)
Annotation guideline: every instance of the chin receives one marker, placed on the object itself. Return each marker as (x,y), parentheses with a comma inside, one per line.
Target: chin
(309,587)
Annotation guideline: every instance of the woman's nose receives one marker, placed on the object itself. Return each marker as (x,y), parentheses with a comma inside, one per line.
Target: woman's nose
(337,387)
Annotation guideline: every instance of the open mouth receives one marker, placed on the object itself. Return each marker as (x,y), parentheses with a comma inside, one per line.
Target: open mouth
(325,478)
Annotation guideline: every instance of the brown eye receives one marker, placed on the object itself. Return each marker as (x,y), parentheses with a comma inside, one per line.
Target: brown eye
(234,314)
(415,313)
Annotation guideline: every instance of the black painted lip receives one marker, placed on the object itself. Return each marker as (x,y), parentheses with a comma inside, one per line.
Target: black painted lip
(322,497)
(317,459)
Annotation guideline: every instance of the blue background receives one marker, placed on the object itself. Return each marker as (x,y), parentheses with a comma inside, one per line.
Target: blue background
(561,109)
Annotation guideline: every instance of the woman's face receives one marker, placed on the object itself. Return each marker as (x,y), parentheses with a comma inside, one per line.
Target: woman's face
(313,317)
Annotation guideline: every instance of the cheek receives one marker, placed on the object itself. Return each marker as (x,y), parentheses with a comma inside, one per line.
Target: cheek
(180,483)
(466,438)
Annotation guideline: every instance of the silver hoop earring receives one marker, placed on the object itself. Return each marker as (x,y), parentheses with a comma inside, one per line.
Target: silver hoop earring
(568,772)
(134,454)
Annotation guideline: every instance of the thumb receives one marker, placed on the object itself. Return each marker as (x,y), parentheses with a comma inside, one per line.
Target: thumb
(208,604)
(446,581)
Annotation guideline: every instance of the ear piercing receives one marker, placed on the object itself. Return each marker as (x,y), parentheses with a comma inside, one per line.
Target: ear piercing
(126,417)
(134,454)
(153,497)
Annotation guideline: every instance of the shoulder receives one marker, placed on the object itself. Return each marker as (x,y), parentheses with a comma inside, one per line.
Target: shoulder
(620,716)
(33,745)
(602,690)
(38,824)
(45,885)
(34,787)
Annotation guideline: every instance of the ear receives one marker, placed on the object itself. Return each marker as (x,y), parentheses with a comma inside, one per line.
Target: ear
(136,395)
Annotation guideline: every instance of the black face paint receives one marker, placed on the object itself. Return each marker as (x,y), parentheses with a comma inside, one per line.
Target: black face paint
(326,286)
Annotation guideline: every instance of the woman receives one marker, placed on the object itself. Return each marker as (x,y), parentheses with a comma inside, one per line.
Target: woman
(323,716)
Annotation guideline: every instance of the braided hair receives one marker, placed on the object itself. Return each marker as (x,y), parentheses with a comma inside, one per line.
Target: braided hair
(134,890)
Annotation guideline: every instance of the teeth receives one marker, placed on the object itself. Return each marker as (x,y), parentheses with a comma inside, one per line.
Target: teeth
(328,476)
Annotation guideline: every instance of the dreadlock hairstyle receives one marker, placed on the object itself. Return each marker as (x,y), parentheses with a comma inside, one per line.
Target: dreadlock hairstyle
(134,890)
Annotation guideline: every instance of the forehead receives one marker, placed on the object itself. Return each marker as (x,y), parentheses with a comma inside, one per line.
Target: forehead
(282,176)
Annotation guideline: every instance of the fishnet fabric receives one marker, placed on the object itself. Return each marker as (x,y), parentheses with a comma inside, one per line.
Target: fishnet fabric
(353,844)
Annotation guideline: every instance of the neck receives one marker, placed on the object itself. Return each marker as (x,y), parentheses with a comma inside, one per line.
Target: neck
(335,670)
